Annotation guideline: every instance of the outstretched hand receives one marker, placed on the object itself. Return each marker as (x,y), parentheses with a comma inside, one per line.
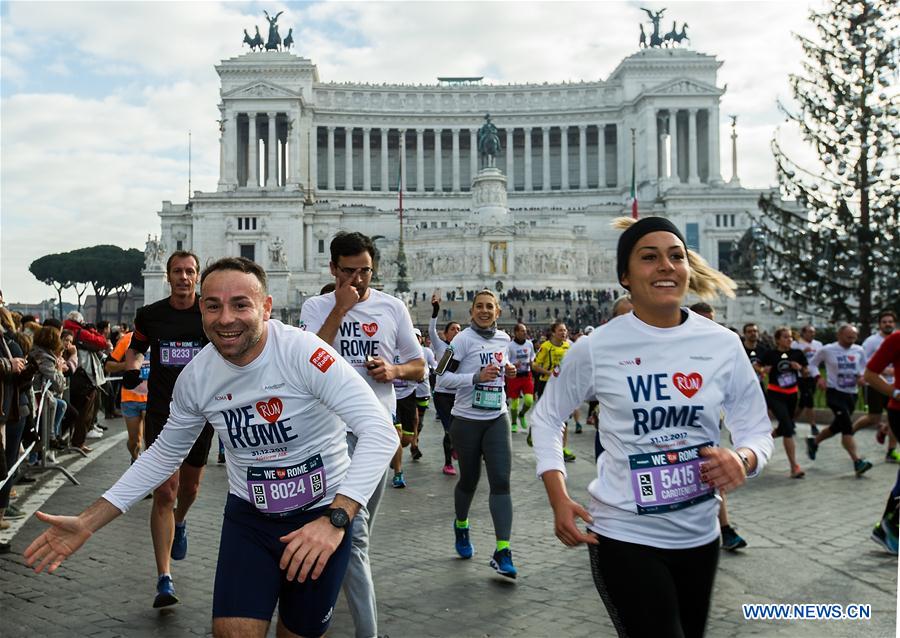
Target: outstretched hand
(64,537)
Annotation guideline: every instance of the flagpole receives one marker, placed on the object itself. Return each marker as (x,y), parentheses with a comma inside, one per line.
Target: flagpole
(402,279)
(634,202)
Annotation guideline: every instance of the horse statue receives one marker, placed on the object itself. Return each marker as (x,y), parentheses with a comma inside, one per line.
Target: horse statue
(288,40)
(655,39)
(488,142)
(274,40)
(643,41)
(669,38)
(681,36)
(255,42)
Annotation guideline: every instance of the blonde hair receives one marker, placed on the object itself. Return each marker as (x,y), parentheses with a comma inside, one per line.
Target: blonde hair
(706,282)
(486,291)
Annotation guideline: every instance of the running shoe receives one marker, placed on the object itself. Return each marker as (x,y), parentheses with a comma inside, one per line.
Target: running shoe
(13,512)
(882,535)
(797,472)
(814,430)
(880,436)
(522,423)
(731,540)
(502,563)
(179,542)
(415,452)
(892,456)
(811,448)
(94,433)
(463,544)
(221,458)
(528,440)
(515,427)
(449,470)
(5,548)
(861,466)
(578,428)
(398,481)
(568,455)
(165,593)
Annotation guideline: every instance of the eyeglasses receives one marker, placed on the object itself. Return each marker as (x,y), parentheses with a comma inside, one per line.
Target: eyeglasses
(365,271)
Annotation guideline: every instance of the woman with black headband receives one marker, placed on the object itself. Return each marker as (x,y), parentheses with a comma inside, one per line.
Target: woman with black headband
(663,376)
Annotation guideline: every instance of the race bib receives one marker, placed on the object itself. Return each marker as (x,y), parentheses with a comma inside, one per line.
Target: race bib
(145,370)
(487,397)
(178,353)
(846,381)
(787,379)
(277,490)
(668,480)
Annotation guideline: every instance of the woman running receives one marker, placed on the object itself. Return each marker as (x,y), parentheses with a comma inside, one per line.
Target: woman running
(785,365)
(474,364)
(663,376)
(443,396)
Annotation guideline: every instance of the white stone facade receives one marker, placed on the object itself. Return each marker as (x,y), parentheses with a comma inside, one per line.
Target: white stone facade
(329,156)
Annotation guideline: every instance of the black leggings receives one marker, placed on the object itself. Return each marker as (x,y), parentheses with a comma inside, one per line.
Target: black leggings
(783,407)
(443,404)
(652,592)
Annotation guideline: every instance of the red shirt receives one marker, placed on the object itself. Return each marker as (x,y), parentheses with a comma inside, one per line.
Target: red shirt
(888,354)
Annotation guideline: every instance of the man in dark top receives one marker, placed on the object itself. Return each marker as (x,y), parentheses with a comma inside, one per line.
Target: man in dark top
(755,350)
(173,331)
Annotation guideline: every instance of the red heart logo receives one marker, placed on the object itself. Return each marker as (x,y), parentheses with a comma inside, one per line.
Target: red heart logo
(688,384)
(370,328)
(850,358)
(280,473)
(270,410)
(672,457)
(499,357)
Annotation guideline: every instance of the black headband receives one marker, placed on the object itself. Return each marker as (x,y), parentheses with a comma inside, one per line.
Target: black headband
(637,230)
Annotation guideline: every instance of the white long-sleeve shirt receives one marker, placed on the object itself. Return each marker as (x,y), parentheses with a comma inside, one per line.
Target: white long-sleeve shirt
(423,389)
(279,411)
(473,352)
(661,393)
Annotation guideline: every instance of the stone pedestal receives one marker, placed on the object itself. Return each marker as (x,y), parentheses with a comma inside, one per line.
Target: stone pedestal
(489,205)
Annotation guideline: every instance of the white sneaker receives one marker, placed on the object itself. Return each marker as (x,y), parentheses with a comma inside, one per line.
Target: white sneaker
(94,433)
(51,457)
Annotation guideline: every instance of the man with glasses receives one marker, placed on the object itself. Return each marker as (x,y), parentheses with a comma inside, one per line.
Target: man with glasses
(373,332)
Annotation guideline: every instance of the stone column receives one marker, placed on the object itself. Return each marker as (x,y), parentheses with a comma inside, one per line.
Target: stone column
(272,152)
(420,160)
(715,172)
(693,175)
(331,186)
(385,184)
(473,154)
(582,156)
(313,158)
(402,153)
(367,159)
(455,151)
(438,177)
(309,247)
(348,158)
(252,147)
(622,143)
(673,145)
(224,151)
(510,161)
(652,143)
(564,157)
(545,158)
(529,186)
(294,146)
(282,173)
(601,155)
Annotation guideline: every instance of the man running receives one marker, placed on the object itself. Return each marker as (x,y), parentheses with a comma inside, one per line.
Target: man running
(844,362)
(521,355)
(876,402)
(546,364)
(755,350)
(172,329)
(373,332)
(423,392)
(274,394)
(809,346)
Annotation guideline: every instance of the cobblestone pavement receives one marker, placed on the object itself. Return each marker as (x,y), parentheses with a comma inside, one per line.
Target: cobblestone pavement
(808,542)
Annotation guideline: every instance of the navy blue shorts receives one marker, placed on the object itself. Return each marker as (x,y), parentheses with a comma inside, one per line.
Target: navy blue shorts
(249,580)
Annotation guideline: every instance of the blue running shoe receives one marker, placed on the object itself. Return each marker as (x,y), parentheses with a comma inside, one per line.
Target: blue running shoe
(179,543)
(398,481)
(165,593)
(502,563)
(463,544)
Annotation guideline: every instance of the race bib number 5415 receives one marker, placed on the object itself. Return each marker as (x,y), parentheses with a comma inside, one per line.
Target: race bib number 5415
(668,480)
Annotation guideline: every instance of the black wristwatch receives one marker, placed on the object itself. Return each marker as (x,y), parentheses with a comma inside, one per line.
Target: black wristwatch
(338,517)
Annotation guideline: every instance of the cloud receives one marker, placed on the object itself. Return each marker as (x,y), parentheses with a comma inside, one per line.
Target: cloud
(91,162)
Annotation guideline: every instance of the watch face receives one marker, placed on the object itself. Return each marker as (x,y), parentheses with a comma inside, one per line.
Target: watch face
(339,518)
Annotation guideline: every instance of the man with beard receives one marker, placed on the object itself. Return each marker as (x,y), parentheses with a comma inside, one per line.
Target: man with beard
(373,332)
(279,398)
(876,402)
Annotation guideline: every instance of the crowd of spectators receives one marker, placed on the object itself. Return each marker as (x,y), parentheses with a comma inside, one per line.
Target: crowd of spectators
(67,359)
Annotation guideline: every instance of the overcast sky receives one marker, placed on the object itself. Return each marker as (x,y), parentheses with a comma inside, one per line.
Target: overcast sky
(97,98)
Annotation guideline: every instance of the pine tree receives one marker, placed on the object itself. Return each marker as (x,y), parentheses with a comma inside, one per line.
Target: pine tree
(830,245)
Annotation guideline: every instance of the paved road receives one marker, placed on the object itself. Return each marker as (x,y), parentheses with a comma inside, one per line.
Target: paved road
(808,543)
